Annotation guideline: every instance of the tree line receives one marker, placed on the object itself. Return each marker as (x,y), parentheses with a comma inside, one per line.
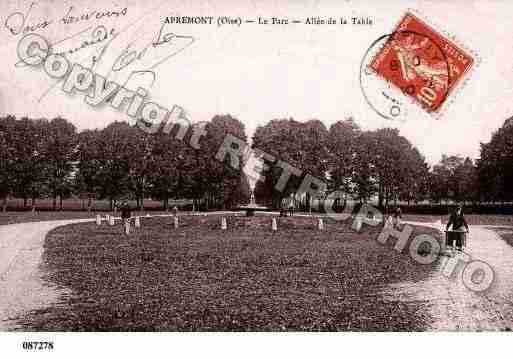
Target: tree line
(42,158)
(382,165)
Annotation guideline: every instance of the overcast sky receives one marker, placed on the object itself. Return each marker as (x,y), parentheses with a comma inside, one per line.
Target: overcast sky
(261,72)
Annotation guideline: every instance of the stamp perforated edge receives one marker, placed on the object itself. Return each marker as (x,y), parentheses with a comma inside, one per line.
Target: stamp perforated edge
(462,83)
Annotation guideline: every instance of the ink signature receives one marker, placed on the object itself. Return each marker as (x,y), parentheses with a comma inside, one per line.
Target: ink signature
(128,56)
(17,22)
(134,59)
(98,35)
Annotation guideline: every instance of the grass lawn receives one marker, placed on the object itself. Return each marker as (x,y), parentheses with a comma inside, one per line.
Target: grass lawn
(475,219)
(198,277)
(28,216)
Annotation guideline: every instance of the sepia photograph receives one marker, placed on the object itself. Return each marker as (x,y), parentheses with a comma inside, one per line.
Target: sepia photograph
(171,170)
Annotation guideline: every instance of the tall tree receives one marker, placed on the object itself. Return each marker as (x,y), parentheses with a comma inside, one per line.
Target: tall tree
(467,185)
(28,170)
(114,161)
(166,168)
(88,165)
(7,158)
(495,167)
(343,145)
(219,183)
(444,183)
(58,154)
(303,146)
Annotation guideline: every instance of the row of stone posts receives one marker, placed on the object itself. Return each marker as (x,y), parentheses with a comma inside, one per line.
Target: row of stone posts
(111,221)
(274,224)
(224,225)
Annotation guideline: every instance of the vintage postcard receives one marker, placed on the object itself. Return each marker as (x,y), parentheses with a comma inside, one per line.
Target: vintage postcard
(255,166)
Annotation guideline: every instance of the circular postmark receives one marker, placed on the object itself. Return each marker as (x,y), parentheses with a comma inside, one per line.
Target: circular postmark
(401,69)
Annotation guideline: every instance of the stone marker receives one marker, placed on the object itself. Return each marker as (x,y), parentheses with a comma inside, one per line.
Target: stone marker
(389,223)
(357,225)
(137,222)
(223,223)
(274,225)
(98,220)
(321,225)
(175,222)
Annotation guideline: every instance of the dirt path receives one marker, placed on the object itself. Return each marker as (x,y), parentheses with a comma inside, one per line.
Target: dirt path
(451,304)
(21,285)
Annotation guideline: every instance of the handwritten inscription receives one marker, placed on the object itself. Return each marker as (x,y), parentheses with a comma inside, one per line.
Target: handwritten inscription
(72,18)
(22,22)
(18,22)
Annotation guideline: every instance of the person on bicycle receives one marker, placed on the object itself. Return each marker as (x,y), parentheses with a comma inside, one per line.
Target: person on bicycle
(457,220)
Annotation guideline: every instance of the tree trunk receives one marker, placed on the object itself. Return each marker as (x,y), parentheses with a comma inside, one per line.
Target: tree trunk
(89,204)
(54,202)
(33,204)
(25,202)
(4,204)
(380,196)
(60,203)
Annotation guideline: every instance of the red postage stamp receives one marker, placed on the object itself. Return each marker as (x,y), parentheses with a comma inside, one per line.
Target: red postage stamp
(421,62)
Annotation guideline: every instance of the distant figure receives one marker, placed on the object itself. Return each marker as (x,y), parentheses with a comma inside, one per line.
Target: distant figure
(125,214)
(175,211)
(458,222)
(398,215)
(291,206)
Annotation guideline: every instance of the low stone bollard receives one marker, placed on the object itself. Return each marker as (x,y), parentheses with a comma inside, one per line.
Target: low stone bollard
(137,222)
(320,225)
(223,223)
(274,225)
(98,220)
(357,224)
(175,222)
